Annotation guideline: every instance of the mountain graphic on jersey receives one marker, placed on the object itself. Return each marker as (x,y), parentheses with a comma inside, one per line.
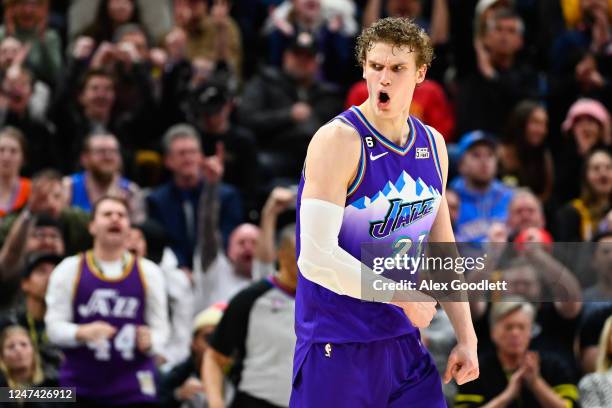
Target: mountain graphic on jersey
(398,209)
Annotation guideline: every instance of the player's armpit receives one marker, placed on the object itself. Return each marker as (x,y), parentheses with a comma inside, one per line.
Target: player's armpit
(331,162)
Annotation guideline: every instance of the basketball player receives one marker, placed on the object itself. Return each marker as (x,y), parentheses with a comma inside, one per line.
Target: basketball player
(107,309)
(352,352)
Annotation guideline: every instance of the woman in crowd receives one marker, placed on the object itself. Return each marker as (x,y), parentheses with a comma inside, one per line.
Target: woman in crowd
(596,388)
(524,153)
(579,219)
(19,361)
(14,190)
(586,125)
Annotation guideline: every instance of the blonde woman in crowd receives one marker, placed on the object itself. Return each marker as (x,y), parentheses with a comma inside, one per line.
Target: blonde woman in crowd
(20,365)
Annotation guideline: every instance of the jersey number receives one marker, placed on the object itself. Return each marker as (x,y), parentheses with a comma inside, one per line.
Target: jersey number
(369,141)
(403,245)
(123,342)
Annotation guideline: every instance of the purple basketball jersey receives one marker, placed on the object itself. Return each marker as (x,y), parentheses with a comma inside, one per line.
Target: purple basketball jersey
(395,196)
(111,371)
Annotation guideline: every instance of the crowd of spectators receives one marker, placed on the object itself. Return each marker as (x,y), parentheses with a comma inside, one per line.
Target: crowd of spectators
(198,113)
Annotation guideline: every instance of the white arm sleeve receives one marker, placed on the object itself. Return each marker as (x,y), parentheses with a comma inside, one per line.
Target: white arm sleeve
(156,309)
(322,261)
(58,318)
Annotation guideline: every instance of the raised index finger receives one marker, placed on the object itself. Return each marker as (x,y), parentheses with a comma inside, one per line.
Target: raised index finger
(220,151)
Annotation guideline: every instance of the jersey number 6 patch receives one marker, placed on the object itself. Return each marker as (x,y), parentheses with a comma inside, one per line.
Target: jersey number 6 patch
(369,140)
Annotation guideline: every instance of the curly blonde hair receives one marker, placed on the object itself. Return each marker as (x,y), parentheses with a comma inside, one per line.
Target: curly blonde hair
(398,32)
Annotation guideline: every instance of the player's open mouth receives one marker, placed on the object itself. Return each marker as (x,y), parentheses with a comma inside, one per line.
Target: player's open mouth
(383,99)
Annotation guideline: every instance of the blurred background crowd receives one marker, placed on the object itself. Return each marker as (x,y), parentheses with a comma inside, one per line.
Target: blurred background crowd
(198,114)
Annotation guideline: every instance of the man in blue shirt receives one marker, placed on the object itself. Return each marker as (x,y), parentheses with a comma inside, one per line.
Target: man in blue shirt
(484,200)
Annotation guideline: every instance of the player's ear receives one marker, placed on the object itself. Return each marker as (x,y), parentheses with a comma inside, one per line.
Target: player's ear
(420,74)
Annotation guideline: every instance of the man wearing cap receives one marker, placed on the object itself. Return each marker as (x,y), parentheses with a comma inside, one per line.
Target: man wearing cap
(286,107)
(181,386)
(513,376)
(34,279)
(484,200)
(210,109)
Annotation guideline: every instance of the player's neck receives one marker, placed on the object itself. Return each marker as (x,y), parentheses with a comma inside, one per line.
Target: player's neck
(395,129)
(107,253)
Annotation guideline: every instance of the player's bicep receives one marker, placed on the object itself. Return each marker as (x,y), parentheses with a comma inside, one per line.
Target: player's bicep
(331,163)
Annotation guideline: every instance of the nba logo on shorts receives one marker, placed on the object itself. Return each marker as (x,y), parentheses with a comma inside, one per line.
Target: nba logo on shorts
(422,153)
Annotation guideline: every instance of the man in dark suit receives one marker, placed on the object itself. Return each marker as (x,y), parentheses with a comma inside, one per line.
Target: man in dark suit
(175,205)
